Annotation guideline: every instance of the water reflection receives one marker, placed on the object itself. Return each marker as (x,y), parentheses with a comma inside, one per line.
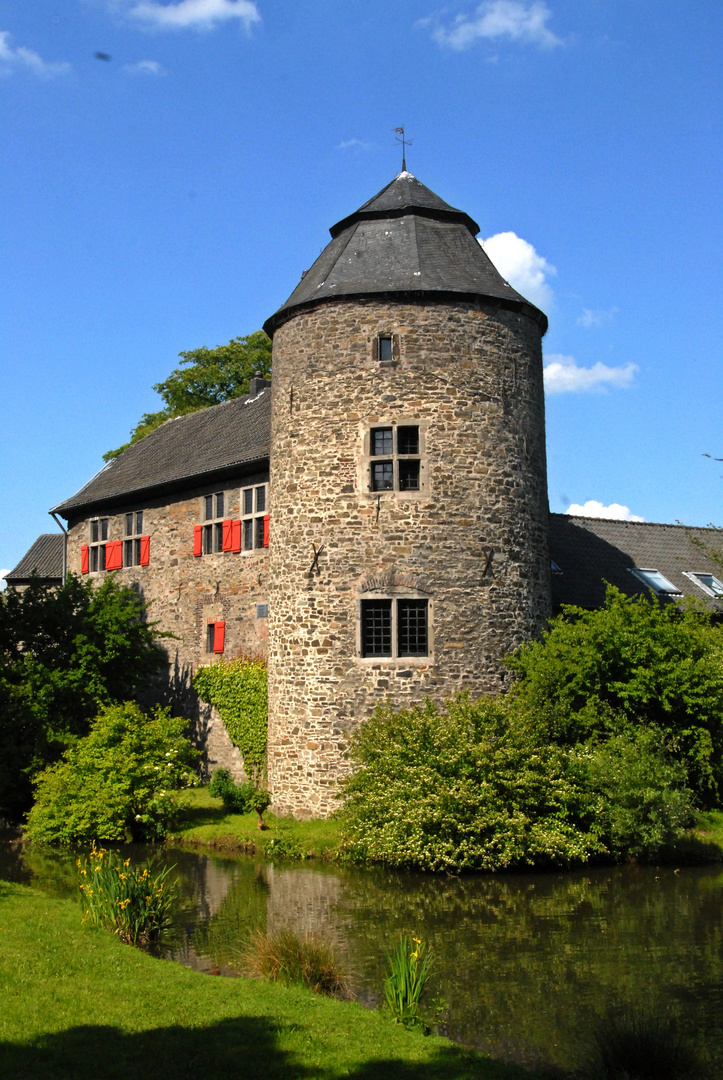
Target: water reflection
(525,962)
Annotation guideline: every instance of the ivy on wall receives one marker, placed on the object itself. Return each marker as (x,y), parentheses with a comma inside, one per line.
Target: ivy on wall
(238,690)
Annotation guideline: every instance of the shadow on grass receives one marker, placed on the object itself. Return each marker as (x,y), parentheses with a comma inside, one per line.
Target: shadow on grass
(245,1046)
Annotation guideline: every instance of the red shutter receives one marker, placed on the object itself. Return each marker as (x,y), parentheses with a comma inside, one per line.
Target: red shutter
(266,530)
(145,550)
(198,539)
(84,565)
(219,635)
(235,536)
(226,540)
(114,555)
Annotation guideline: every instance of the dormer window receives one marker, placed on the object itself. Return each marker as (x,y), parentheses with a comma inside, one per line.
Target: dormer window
(656,581)
(707,582)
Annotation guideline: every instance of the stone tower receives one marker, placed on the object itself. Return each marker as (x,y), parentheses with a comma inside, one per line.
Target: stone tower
(409,515)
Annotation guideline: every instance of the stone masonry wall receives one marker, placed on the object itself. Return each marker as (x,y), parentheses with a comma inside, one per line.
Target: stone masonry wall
(474,540)
(187,592)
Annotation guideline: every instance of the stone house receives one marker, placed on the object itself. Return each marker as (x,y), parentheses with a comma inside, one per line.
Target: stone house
(378,525)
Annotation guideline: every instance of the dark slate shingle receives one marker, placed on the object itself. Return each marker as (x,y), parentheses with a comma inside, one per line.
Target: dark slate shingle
(208,441)
(591,551)
(44,559)
(405,240)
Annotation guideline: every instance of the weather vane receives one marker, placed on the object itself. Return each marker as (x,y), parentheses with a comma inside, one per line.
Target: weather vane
(405,143)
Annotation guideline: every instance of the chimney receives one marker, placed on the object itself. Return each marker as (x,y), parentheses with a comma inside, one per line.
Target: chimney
(257,384)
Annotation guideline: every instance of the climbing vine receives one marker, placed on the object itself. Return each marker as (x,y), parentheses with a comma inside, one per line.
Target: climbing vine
(238,689)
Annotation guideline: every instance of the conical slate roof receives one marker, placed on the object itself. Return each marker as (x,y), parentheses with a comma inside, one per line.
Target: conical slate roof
(406,240)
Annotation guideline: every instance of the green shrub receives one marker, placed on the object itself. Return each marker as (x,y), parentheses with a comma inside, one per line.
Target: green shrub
(285,957)
(238,690)
(642,801)
(408,967)
(64,654)
(475,786)
(637,662)
(464,789)
(135,902)
(118,782)
(239,798)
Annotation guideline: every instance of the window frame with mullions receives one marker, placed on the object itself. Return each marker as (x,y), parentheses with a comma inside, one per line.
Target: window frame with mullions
(397,641)
(254,517)
(394,458)
(212,527)
(133,554)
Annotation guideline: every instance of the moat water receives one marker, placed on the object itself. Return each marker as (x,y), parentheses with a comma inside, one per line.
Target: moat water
(525,963)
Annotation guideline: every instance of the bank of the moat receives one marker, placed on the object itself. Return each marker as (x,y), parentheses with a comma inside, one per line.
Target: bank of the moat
(525,962)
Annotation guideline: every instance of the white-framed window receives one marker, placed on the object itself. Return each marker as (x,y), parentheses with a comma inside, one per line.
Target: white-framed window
(395,627)
(709,583)
(132,533)
(656,581)
(98,535)
(212,534)
(254,517)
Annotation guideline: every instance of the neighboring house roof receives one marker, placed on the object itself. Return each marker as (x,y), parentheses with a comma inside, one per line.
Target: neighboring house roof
(408,241)
(592,551)
(200,444)
(44,560)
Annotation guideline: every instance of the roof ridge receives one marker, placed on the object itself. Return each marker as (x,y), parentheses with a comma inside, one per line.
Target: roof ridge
(622,521)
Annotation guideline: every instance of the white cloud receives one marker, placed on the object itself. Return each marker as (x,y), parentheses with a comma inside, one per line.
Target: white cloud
(520,265)
(355,144)
(596,317)
(595,509)
(199,14)
(2,578)
(497,19)
(563,376)
(21,57)
(145,67)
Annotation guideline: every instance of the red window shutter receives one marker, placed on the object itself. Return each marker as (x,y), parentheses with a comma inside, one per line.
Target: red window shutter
(145,550)
(84,560)
(235,536)
(198,539)
(266,530)
(226,540)
(219,636)
(114,555)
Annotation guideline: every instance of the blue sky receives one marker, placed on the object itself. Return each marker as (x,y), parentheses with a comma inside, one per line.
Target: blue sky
(171,167)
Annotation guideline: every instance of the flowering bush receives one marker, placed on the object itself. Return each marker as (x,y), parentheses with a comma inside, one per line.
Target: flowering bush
(117,783)
(474,786)
(134,901)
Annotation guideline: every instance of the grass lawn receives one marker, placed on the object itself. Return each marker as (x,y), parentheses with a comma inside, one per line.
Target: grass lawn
(205,822)
(78,1004)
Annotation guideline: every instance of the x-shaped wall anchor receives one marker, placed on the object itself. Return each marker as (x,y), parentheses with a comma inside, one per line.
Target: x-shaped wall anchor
(488,557)
(315,563)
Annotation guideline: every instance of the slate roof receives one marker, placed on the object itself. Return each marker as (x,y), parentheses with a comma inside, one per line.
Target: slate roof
(590,551)
(211,441)
(44,559)
(406,240)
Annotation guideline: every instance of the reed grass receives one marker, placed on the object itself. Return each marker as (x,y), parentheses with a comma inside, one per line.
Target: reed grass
(409,964)
(135,902)
(634,1044)
(283,956)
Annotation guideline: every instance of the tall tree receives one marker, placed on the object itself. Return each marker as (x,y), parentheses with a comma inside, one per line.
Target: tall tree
(205,377)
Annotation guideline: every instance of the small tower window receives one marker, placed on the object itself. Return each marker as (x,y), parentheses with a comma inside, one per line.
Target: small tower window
(386,349)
